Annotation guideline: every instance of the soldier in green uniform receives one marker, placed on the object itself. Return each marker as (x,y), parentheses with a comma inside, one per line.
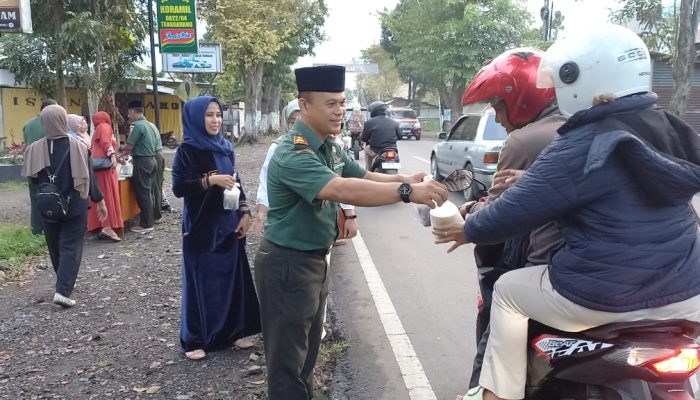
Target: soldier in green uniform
(307,176)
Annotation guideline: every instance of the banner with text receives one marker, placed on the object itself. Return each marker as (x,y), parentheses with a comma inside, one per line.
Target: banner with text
(177,26)
(207,59)
(15,16)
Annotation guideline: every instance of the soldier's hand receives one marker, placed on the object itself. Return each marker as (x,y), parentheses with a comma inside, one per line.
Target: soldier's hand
(415,178)
(224,181)
(428,193)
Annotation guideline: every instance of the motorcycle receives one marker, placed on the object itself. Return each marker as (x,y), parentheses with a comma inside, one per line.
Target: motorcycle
(168,139)
(641,360)
(654,360)
(387,162)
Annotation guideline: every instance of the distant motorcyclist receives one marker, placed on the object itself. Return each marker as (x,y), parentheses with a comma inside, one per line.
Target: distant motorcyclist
(380,132)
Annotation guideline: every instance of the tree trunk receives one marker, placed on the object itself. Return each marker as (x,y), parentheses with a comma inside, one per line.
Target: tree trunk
(266,106)
(455,101)
(253,83)
(275,108)
(684,62)
(60,77)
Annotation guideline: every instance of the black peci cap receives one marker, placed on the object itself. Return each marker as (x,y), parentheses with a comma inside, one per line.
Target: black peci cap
(324,78)
(135,104)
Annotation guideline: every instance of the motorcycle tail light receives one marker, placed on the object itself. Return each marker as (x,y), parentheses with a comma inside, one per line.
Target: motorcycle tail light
(661,361)
(390,155)
(684,361)
(491,157)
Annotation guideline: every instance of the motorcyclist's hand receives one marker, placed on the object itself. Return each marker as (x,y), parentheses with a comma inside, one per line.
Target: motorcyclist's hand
(453,233)
(504,179)
(429,193)
(464,208)
(351,228)
(415,178)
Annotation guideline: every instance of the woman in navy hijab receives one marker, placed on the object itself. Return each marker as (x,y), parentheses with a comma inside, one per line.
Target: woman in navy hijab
(219,305)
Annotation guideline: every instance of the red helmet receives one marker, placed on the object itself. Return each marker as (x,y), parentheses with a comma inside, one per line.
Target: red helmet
(512,77)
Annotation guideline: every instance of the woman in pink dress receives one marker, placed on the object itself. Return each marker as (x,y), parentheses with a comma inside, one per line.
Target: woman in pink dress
(103,145)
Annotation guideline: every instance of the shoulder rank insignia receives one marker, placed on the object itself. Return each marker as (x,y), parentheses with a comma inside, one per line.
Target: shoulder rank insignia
(300,140)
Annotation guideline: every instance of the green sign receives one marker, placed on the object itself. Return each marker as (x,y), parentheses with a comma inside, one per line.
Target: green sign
(177,26)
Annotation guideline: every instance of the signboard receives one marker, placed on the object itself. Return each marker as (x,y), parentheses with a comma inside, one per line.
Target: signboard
(15,16)
(369,69)
(177,26)
(207,59)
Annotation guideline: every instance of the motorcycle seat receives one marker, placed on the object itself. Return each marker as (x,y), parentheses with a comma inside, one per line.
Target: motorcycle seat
(668,327)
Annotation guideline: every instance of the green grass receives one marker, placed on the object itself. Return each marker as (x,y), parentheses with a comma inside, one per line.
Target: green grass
(13,185)
(17,244)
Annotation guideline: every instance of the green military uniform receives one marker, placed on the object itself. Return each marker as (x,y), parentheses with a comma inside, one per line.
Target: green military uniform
(33,131)
(146,141)
(290,267)
(157,183)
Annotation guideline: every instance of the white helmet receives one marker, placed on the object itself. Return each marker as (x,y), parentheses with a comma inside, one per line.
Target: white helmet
(610,59)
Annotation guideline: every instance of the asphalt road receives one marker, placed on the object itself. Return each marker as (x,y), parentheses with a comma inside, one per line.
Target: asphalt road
(433,293)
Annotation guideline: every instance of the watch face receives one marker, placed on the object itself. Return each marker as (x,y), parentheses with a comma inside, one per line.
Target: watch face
(405,190)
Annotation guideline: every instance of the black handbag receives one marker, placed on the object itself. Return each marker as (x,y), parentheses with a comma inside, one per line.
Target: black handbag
(99,163)
(51,203)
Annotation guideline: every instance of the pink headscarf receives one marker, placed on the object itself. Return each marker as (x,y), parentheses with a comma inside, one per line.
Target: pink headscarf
(76,127)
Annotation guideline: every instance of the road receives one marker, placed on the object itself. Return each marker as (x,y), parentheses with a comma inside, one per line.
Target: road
(426,299)
(432,292)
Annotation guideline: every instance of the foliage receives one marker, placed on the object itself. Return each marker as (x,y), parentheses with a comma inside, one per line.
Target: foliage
(92,42)
(17,244)
(443,43)
(382,86)
(658,28)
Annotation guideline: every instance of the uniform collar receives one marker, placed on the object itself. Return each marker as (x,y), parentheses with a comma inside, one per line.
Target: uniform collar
(314,141)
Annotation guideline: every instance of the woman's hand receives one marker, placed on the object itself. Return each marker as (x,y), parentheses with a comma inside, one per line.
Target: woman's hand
(224,181)
(113,157)
(243,226)
(102,211)
(452,233)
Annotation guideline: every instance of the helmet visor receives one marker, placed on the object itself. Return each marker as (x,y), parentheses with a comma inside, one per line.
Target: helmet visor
(553,59)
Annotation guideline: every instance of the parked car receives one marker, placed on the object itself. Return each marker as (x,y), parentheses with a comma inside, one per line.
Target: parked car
(408,121)
(474,143)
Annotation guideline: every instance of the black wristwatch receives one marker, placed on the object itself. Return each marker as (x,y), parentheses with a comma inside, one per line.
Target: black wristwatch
(405,192)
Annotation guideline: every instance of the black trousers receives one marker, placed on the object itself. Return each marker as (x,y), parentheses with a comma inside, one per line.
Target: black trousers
(292,287)
(65,243)
(157,186)
(145,171)
(36,220)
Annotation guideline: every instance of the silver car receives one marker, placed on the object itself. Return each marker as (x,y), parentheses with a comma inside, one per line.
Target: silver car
(474,143)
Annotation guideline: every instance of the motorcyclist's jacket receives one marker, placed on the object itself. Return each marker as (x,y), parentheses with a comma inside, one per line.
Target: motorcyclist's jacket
(520,150)
(617,181)
(380,132)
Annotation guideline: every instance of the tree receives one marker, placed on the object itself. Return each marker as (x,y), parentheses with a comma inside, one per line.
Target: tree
(91,43)
(443,43)
(383,85)
(253,33)
(671,33)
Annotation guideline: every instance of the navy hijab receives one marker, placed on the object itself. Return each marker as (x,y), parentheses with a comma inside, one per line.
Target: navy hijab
(195,134)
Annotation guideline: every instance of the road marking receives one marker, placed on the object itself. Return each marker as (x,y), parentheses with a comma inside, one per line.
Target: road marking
(411,369)
(421,159)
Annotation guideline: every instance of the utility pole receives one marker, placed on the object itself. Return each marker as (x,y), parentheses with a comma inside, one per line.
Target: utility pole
(546,20)
(154,75)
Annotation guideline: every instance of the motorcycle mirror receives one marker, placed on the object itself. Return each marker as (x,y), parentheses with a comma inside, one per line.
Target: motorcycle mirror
(459,180)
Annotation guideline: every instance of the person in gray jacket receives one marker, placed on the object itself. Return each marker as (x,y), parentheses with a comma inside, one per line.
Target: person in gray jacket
(531,118)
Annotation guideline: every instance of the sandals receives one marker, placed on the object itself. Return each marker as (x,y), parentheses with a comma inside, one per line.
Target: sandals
(103,235)
(195,354)
(243,344)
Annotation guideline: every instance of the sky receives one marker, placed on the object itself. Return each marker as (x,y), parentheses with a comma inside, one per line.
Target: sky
(352,26)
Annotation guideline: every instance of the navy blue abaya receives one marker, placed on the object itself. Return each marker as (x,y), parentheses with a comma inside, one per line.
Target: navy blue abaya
(219,304)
